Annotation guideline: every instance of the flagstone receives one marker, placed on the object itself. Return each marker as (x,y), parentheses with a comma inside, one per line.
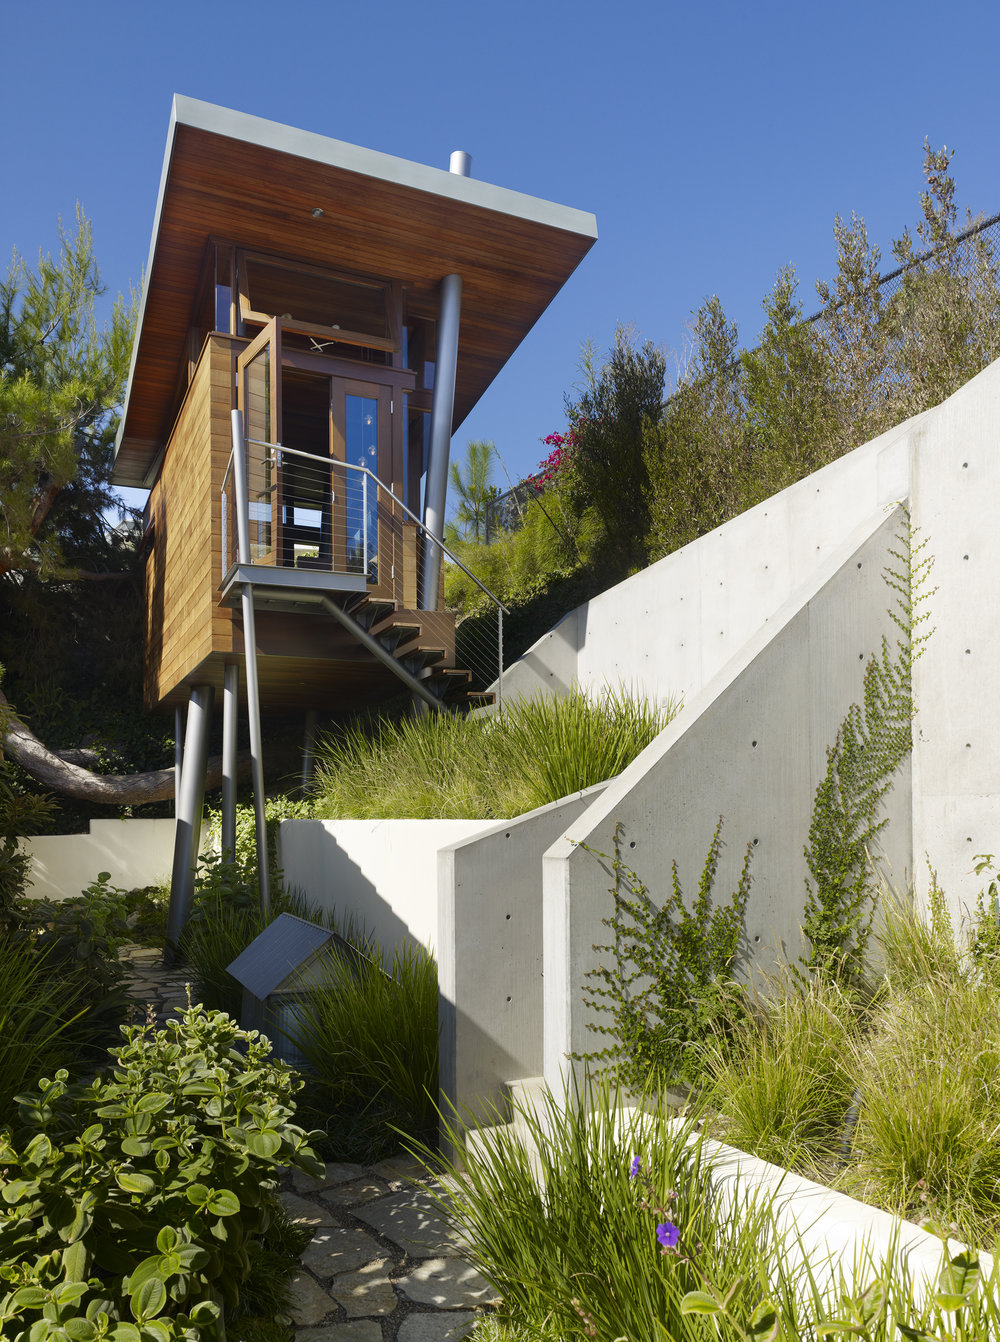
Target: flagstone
(337,1249)
(411,1220)
(309,1303)
(449,1283)
(436,1327)
(365,1292)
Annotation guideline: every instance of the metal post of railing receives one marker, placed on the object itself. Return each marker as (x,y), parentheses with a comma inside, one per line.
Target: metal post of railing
(364,524)
(241,478)
(499,657)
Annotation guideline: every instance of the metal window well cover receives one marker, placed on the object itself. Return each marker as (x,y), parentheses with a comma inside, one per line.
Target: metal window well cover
(286,957)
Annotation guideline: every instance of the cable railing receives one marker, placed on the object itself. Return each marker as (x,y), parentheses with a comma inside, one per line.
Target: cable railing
(309,513)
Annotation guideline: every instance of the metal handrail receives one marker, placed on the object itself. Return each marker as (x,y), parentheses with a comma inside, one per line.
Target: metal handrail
(381,485)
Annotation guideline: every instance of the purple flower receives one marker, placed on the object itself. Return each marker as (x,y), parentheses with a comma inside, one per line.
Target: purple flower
(668,1234)
(635,1167)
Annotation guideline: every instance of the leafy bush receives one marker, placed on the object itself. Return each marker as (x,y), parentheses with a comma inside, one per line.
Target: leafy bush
(668,981)
(150,1194)
(369,1037)
(443,765)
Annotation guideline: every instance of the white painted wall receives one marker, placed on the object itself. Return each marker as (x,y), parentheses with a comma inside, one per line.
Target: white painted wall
(382,873)
(135,852)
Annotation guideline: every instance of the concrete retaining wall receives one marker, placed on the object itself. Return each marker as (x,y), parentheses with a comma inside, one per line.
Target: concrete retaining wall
(490,953)
(135,852)
(750,747)
(956,756)
(671,628)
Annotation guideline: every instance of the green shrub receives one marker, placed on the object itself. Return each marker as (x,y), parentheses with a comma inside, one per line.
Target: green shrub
(667,981)
(150,1194)
(780,1076)
(444,765)
(369,1037)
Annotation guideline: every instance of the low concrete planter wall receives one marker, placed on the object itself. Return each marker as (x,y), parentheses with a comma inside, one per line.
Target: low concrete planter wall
(834,1234)
(135,852)
(381,873)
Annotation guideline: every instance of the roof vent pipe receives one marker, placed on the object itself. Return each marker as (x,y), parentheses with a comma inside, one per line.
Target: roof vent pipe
(461,163)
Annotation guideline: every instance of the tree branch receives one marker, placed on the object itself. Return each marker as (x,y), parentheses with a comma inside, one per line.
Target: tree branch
(69,780)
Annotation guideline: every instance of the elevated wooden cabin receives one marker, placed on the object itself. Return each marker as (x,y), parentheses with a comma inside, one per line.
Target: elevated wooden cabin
(353,307)
(297,278)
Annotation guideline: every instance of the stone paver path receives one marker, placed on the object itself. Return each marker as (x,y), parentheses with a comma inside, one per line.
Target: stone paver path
(382,1265)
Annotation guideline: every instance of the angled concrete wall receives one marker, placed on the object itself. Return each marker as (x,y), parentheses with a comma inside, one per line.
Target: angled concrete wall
(669,629)
(750,746)
(490,953)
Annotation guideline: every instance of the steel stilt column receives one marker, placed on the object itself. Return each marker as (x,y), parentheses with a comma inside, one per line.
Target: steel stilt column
(230,723)
(250,656)
(190,800)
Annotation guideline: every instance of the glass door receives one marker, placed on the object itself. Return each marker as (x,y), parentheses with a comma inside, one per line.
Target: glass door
(258,380)
(363,443)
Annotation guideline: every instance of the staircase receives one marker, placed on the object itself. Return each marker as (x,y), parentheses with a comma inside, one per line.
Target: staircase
(415,646)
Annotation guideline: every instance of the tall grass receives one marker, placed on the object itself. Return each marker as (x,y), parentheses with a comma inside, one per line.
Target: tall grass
(928,1133)
(564,1215)
(781,1077)
(40,1012)
(567,1234)
(369,1036)
(449,766)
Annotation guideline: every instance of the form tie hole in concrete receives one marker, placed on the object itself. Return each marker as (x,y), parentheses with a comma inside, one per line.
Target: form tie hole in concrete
(754,744)
(859,564)
(967,651)
(507,835)
(965,465)
(861,656)
(508,999)
(631,843)
(965,556)
(756,842)
(756,938)
(508,917)
(968,745)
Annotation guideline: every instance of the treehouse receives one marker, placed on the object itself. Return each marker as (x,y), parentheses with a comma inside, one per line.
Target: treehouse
(317,320)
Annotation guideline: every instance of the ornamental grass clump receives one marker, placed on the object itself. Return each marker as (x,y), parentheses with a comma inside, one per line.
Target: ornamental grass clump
(368,1036)
(444,765)
(574,1220)
(928,1130)
(780,1076)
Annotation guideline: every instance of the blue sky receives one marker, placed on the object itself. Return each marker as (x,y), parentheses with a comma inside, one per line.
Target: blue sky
(714,143)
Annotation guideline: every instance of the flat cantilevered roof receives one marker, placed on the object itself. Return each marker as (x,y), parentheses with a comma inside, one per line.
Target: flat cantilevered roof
(255,182)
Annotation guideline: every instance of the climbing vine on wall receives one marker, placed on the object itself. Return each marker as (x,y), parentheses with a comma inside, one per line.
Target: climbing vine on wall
(871,743)
(666,973)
